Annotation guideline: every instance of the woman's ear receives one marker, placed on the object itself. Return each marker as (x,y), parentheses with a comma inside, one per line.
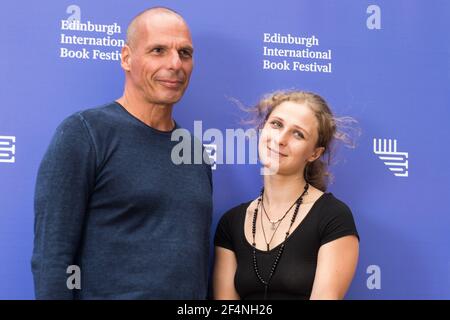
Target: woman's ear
(316,155)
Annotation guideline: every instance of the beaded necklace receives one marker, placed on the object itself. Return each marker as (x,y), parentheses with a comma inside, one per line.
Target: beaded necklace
(266,283)
(275,224)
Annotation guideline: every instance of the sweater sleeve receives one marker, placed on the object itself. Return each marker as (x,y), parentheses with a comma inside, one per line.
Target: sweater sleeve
(65,180)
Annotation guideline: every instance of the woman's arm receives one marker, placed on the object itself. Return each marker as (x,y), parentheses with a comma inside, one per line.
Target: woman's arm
(223,278)
(336,264)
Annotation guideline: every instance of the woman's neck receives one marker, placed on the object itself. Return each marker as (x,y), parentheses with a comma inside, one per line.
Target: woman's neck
(280,191)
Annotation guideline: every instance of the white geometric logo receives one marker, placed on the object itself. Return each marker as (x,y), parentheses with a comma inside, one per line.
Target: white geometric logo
(211,150)
(7,149)
(397,162)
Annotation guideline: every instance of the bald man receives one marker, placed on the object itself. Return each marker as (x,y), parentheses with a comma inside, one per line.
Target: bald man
(115,218)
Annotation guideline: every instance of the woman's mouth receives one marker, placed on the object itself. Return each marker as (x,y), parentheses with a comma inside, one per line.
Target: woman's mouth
(277,152)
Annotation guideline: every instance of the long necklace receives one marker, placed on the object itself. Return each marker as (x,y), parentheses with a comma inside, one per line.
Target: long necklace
(274,224)
(266,283)
(279,220)
(264,234)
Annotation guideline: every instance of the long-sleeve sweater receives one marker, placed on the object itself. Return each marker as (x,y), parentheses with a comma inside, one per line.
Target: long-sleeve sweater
(110,200)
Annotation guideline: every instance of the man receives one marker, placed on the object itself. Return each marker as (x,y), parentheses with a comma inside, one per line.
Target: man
(109,199)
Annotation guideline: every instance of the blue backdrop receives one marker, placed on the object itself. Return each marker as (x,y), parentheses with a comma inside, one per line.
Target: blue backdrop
(388,67)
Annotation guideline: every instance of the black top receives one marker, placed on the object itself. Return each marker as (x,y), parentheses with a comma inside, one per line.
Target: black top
(327,220)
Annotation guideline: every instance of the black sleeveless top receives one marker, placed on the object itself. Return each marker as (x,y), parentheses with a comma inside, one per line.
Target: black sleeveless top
(327,220)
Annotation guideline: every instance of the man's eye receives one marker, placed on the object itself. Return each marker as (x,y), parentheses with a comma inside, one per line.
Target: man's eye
(185,53)
(157,50)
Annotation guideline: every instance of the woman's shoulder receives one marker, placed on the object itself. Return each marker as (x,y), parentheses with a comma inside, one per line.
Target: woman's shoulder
(336,201)
(336,219)
(228,226)
(329,208)
(330,203)
(236,212)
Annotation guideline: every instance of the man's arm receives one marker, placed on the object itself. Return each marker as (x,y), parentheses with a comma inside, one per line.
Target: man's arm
(65,180)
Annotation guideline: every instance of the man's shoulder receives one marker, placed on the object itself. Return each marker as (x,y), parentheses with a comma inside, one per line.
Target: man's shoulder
(98,112)
(91,117)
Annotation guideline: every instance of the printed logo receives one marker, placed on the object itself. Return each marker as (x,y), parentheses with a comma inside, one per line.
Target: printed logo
(7,149)
(396,161)
(89,40)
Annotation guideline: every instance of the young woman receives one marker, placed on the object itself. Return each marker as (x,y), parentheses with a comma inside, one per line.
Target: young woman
(295,241)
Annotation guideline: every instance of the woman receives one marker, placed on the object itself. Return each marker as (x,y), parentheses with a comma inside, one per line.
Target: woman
(295,241)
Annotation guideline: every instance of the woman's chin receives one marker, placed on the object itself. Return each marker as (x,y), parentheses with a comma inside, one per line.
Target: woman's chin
(270,168)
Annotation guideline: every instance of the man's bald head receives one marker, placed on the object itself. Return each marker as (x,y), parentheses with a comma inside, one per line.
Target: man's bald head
(133,27)
(158,57)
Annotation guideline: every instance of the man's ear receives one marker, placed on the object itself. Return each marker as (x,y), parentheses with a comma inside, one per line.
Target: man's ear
(126,58)
(317,153)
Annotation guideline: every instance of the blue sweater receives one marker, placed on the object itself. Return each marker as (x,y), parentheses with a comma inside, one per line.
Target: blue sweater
(109,200)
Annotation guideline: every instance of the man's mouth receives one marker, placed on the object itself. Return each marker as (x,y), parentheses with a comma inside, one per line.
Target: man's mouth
(171,83)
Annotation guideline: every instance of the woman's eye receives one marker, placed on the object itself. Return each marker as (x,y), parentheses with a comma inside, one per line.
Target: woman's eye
(299,135)
(275,124)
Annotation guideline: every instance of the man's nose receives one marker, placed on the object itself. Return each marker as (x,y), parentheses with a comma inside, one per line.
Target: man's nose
(174,60)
